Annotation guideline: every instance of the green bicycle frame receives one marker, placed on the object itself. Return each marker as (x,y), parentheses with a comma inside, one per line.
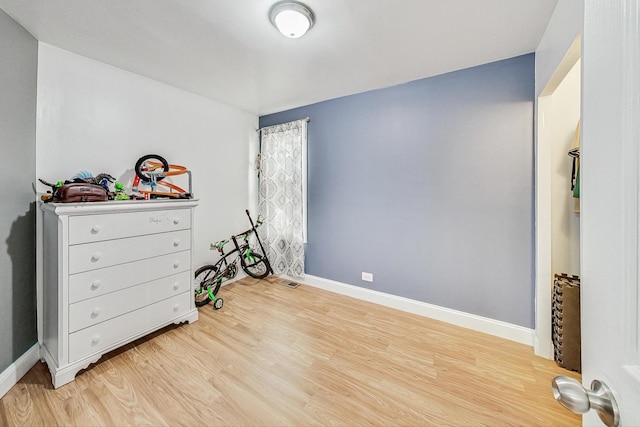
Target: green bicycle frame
(248,255)
(211,295)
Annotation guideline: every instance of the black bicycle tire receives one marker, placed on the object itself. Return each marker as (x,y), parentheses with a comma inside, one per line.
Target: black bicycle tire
(199,288)
(141,160)
(261,260)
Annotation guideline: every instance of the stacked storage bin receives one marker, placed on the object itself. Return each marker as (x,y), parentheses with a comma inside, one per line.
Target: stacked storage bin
(566,321)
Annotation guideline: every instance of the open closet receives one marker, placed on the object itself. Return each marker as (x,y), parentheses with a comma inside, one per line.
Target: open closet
(558,214)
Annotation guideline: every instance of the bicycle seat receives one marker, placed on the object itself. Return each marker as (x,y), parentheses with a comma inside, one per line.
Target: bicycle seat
(219,245)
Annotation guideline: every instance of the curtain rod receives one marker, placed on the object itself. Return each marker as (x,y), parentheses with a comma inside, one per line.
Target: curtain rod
(308,119)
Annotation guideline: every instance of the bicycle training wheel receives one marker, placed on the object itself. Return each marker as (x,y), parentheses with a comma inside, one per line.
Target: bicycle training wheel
(205,278)
(148,163)
(257,267)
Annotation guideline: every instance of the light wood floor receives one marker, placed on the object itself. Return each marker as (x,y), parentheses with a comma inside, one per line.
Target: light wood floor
(275,356)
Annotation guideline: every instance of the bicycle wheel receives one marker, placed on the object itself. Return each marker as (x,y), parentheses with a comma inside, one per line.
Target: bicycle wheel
(257,266)
(142,166)
(205,277)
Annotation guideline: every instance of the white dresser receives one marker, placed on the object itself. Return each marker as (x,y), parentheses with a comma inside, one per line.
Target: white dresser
(111,272)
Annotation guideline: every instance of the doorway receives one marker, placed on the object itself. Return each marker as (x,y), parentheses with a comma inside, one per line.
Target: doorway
(557,212)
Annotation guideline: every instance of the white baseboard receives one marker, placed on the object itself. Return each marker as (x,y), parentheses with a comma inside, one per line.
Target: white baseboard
(10,376)
(493,327)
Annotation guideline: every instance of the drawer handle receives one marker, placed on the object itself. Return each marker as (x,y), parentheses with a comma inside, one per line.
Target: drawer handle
(96,257)
(176,286)
(176,307)
(95,312)
(95,229)
(176,243)
(95,285)
(176,221)
(176,264)
(95,340)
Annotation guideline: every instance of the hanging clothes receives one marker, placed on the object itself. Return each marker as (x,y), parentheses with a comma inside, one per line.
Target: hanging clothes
(574,153)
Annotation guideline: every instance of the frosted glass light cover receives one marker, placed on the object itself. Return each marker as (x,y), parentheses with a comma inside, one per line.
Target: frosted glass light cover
(292,18)
(292,24)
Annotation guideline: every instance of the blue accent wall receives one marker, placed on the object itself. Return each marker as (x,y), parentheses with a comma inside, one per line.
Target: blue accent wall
(429,186)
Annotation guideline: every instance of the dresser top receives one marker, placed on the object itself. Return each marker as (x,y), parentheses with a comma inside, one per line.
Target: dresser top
(116,206)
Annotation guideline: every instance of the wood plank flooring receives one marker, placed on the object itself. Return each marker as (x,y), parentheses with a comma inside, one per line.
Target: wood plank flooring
(276,356)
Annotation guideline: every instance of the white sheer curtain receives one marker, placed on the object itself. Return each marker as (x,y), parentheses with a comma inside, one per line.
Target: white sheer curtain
(281,195)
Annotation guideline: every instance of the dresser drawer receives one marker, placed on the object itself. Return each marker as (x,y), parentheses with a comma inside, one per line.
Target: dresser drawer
(95,310)
(97,338)
(94,228)
(90,256)
(93,283)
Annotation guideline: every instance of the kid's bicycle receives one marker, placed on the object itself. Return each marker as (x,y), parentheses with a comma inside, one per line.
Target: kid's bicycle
(209,278)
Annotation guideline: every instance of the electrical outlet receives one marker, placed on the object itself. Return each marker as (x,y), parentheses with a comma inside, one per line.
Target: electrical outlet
(367,277)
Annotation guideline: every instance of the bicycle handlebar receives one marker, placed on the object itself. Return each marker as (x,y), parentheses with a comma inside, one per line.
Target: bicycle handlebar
(218,245)
(244,235)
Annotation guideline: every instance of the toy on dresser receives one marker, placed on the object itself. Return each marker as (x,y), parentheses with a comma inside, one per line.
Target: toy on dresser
(82,187)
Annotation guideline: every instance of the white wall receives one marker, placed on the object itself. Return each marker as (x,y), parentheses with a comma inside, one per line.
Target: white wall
(98,118)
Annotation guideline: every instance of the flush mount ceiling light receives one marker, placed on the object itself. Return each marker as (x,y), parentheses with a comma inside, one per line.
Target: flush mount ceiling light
(291,18)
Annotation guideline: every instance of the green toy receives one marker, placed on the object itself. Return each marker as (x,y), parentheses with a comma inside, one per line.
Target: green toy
(120,193)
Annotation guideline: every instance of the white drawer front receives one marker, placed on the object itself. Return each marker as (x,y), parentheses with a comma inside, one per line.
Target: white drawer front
(112,252)
(94,228)
(95,310)
(93,283)
(95,339)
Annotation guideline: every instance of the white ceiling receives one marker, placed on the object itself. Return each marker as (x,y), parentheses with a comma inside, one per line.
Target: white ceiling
(228,51)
